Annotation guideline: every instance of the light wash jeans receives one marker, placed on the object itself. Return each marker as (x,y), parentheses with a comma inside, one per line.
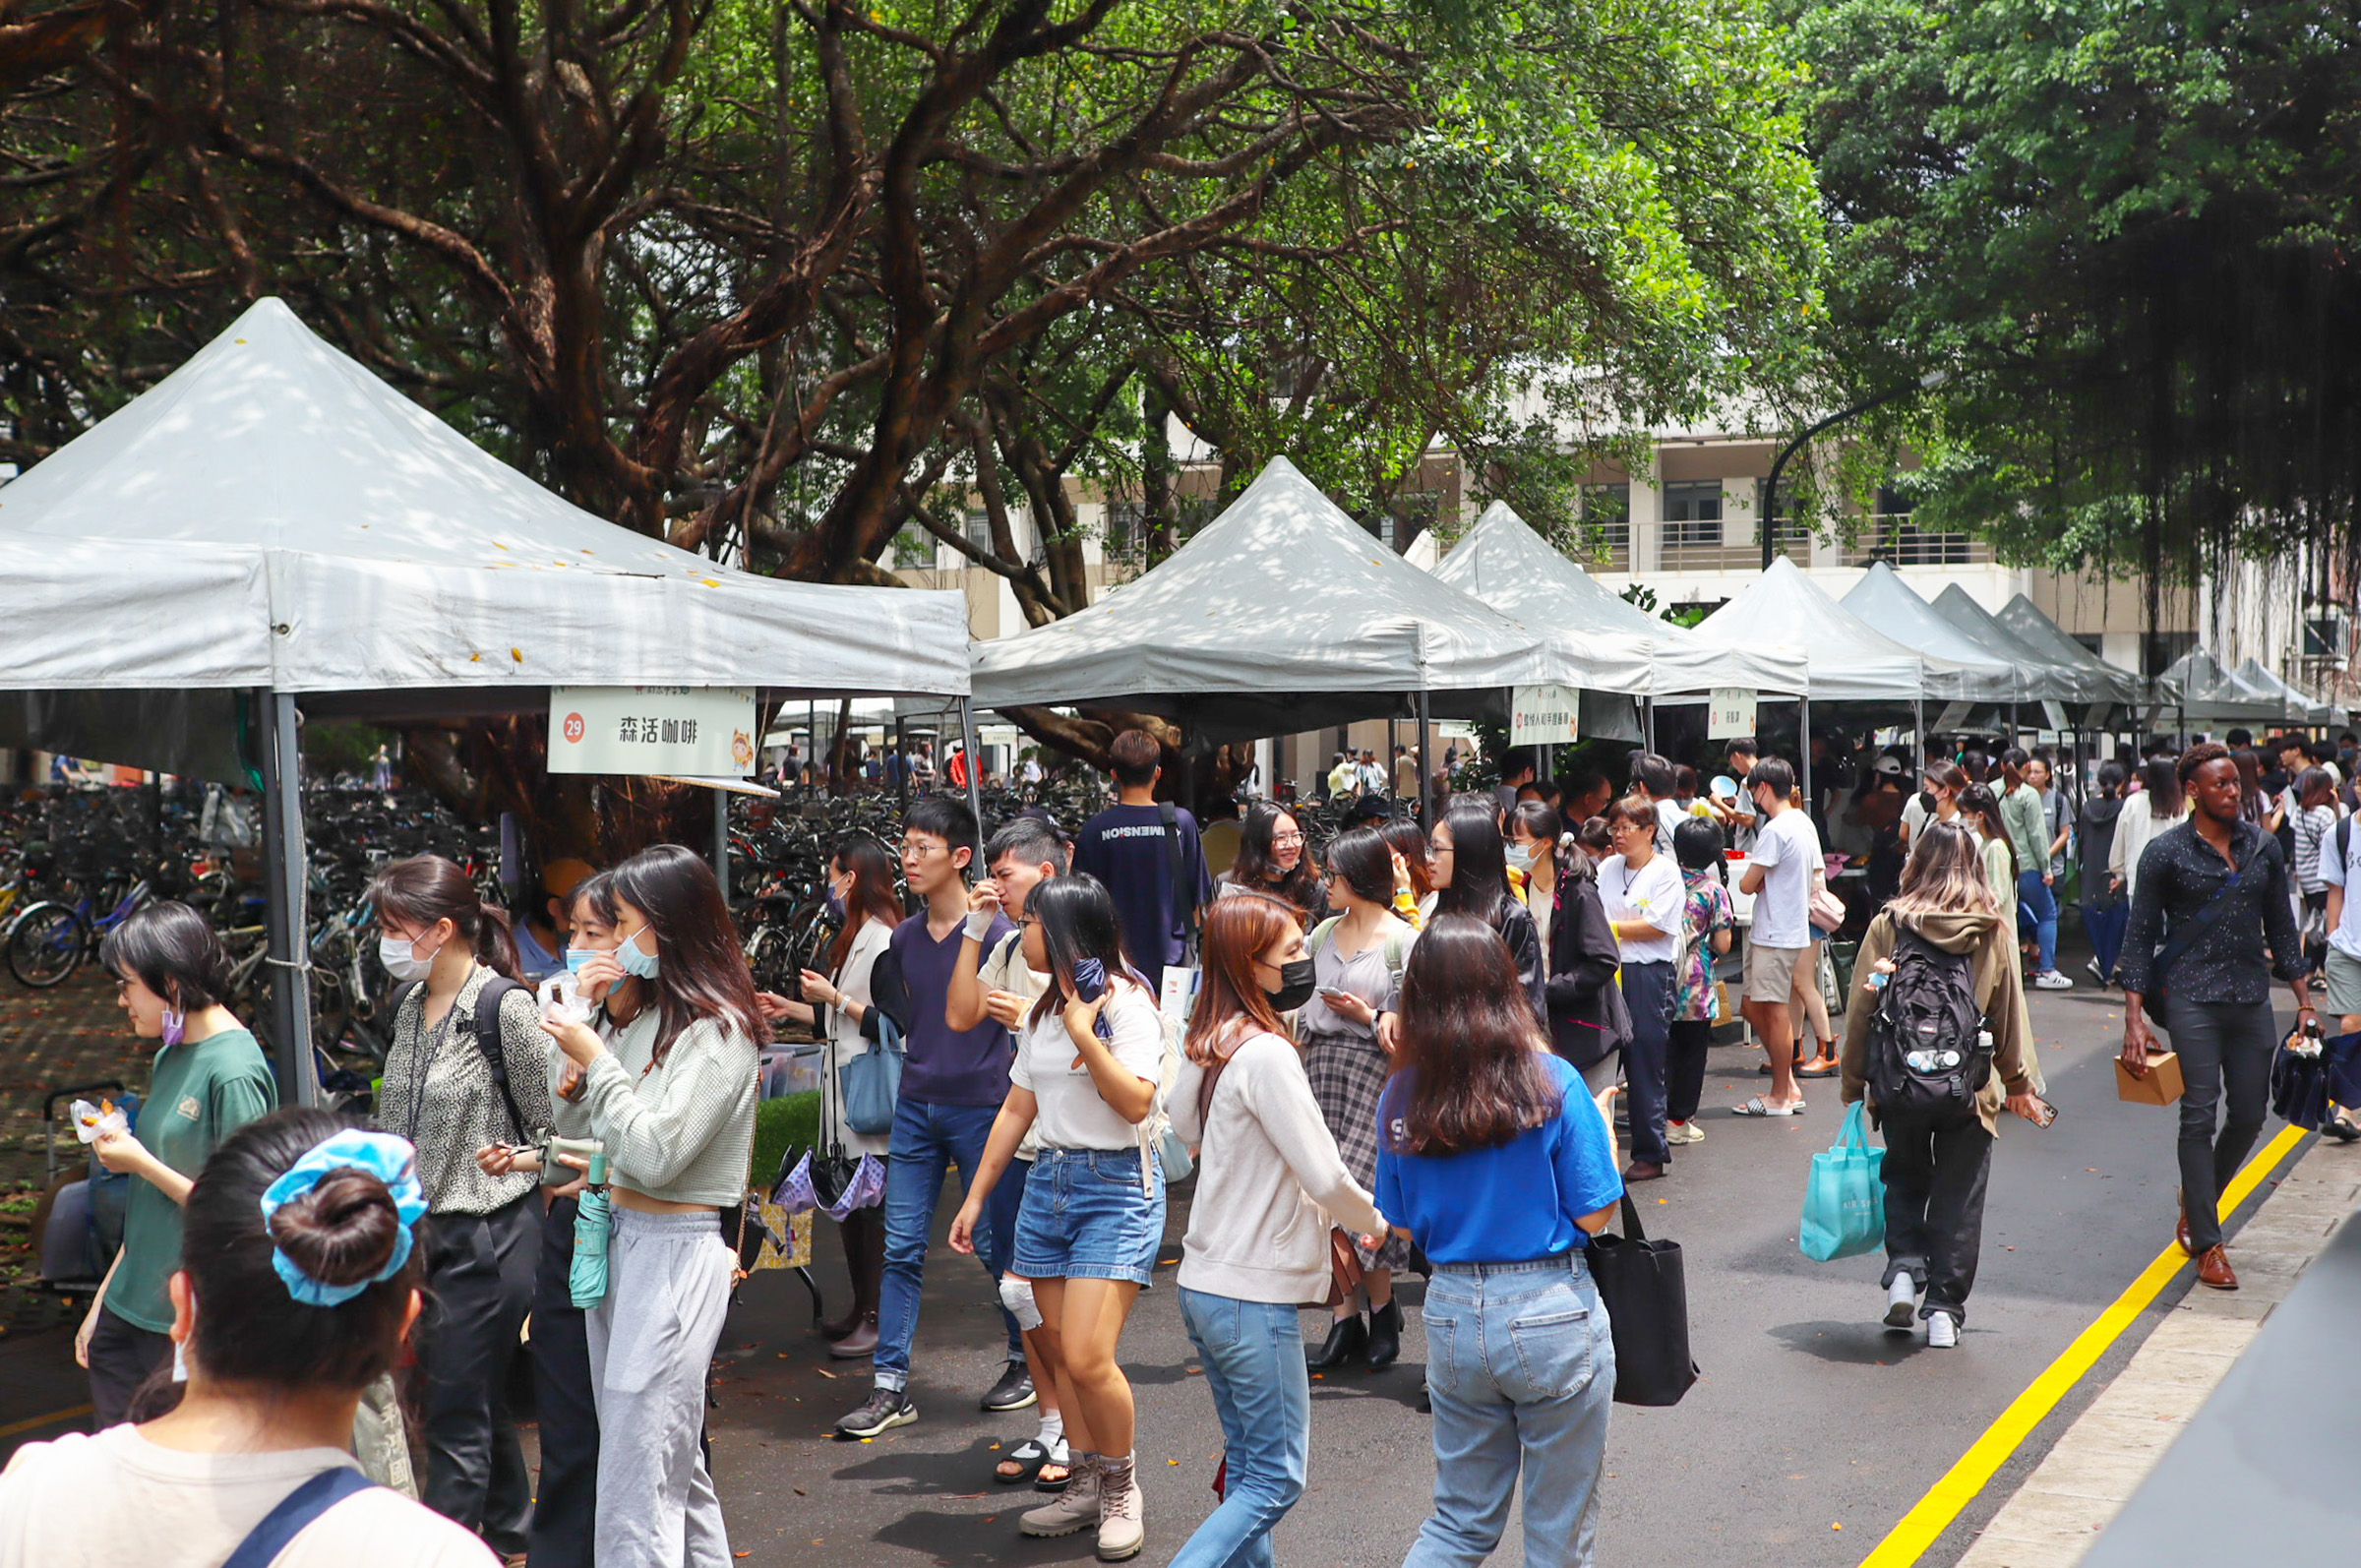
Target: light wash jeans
(927,1139)
(1254,1355)
(1521,1368)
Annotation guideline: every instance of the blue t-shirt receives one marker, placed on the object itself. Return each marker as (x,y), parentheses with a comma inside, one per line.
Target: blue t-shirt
(1511,1204)
(948,1067)
(1126,848)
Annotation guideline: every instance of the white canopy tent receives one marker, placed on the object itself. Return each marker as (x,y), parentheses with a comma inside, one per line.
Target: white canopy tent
(1283,614)
(1506,564)
(272,519)
(2101,681)
(2302,706)
(2041,679)
(1958,669)
(2210,694)
(1848,659)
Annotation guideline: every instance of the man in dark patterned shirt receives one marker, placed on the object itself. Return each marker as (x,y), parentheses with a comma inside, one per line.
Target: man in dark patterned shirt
(2214,890)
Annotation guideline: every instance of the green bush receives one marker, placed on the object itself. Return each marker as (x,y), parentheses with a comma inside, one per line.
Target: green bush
(790,1121)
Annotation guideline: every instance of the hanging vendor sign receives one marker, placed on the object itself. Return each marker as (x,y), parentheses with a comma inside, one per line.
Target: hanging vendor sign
(1729,713)
(651,729)
(1545,714)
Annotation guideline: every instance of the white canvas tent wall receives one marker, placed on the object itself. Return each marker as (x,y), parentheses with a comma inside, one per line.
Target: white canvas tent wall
(2104,681)
(1958,669)
(1283,614)
(1504,563)
(272,518)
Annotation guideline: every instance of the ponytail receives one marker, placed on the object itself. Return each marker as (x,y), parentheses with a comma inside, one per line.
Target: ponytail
(426,888)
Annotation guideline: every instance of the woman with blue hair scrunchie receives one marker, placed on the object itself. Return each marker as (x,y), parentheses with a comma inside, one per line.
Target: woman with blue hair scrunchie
(298,1285)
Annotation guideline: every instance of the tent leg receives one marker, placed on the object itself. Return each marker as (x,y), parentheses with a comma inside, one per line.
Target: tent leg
(974,764)
(286,873)
(1426,767)
(1803,746)
(1647,721)
(1918,730)
(721,841)
(901,765)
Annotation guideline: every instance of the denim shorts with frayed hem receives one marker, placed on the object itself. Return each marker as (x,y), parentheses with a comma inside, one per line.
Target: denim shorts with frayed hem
(1087,1216)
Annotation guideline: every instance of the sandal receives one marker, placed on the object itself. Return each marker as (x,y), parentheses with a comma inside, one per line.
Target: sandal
(1023,1463)
(1758,1106)
(1044,1481)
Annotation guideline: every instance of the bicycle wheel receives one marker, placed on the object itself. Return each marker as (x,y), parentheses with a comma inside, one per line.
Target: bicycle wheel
(45,946)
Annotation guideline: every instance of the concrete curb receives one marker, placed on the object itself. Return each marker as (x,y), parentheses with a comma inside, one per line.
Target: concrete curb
(2104,1456)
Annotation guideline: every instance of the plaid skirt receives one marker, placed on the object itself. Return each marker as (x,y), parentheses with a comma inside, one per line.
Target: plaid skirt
(1348,1075)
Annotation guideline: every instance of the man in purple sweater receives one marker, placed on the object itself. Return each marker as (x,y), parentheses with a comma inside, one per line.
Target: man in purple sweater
(952,1086)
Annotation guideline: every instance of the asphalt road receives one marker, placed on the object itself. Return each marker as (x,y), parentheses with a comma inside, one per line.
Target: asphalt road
(1813,1430)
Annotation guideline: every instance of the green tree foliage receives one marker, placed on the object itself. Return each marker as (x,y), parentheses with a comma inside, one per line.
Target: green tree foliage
(2125,227)
(811,274)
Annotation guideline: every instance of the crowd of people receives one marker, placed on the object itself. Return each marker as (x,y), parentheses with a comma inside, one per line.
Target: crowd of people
(1402,1053)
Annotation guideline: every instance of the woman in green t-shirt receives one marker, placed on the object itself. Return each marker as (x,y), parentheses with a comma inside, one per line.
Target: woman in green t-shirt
(210,1079)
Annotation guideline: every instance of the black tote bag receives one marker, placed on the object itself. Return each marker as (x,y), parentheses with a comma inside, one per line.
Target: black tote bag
(1647,1299)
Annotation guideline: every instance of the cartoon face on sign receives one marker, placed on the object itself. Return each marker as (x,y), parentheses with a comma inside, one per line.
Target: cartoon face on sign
(573,727)
(742,748)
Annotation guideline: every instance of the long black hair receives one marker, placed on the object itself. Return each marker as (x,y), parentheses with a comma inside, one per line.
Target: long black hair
(1078,921)
(1256,857)
(702,972)
(1478,865)
(1468,1061)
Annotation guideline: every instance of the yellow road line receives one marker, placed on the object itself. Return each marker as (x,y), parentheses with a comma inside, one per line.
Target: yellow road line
(1919,1529)
(38,1421)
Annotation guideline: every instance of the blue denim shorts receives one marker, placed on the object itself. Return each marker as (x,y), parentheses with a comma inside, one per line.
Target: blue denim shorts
(1087,1217)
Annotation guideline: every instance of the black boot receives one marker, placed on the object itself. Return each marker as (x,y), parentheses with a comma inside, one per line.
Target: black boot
(1386,1336)
(1347,1337)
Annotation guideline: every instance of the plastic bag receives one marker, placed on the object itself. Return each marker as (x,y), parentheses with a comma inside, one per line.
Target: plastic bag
(94,1121)
(1845,1197)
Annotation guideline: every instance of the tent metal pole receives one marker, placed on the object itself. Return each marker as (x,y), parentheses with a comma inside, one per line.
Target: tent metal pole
(721,841)
(901,764)
(974,764)
(1918,730)
(1425,766)
(1803,746)
(1648,720)
(286,873)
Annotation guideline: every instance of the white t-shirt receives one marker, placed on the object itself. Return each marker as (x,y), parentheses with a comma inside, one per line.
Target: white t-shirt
(2344,871)
(1787,849)
(1668,816)
(115,1499)
(1653,893)
(1048,1062)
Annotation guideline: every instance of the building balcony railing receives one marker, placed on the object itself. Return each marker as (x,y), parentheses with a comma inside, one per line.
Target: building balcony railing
(1899,542)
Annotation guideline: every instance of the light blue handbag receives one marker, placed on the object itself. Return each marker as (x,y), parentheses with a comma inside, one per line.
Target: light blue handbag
(1845,1201)
(872,1081)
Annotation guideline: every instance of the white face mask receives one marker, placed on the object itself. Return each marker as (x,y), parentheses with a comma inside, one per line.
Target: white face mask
(400,957)
(1520,857)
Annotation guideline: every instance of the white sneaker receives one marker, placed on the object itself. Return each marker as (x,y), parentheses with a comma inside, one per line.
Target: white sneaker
(1902,1300)
(1123,1524)
(2054,980)
(1942,1332)
(1683,1133)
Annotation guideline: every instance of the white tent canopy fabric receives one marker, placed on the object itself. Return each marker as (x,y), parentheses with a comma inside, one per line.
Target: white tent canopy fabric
(2102,682)
(1958,668)
(2040,678)
(2301,705)
(2212,694)
(1506,564)
(1849,660)
(373,547)
(1278,605)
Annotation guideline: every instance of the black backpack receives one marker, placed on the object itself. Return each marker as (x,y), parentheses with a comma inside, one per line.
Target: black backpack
(484,1029)
(1929,1055)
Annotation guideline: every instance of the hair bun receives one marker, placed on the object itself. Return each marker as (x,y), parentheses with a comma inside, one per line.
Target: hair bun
(343,1231)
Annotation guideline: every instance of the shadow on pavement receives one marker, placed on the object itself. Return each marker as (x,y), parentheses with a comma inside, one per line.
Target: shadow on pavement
(1852,1343)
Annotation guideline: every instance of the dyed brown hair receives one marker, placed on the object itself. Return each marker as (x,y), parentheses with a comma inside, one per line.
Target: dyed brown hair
(1468,1047)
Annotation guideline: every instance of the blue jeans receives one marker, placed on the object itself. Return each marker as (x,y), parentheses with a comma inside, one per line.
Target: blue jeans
(2037,901)
(1254,1355)
(926,1140)
(1521,1368)
(2105,922)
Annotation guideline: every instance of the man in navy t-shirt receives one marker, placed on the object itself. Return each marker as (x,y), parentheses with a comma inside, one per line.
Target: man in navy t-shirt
(953,1082)
(1129,847)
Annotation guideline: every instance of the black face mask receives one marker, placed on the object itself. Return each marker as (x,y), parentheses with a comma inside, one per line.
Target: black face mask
(1296,985)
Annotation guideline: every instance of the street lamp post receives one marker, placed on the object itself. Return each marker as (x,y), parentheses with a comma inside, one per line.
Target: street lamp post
(1926,382)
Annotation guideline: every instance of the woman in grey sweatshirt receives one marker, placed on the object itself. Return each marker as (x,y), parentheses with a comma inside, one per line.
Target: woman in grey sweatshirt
(1270,1187)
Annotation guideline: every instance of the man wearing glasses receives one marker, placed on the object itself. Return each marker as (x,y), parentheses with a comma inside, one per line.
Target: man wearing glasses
(952,1086)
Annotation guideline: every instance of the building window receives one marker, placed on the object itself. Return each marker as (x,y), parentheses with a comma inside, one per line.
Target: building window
(1693,513)
(2092,643)
(913,549)
(1606,526)
(979,530)
(2161,650)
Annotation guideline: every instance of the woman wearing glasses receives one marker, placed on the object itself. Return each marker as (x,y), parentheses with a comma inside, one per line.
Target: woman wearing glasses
(1271,860)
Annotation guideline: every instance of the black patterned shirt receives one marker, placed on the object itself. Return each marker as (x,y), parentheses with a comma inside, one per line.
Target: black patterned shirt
(2251,937)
